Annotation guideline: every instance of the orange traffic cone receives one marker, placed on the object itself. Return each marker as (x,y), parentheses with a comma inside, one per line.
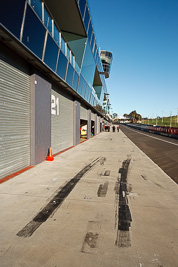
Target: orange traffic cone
(50,156)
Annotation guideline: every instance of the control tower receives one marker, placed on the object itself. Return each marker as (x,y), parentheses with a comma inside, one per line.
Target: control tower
(106,58)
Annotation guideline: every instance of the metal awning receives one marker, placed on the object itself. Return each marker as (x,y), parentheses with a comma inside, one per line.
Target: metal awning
(66,15)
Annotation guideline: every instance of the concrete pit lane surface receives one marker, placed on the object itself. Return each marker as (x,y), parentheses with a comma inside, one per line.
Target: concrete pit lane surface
(101,203)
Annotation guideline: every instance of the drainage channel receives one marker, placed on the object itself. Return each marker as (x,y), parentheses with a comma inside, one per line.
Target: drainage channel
(55,202)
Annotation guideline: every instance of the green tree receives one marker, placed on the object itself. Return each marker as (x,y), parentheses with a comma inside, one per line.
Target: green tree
(135,116)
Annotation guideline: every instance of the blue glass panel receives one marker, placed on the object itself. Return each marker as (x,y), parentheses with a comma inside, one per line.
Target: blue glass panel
(75,81)
(86,19)
(91,99)
(91,38)
(88,67)
(87,93)
(94,102)
(68,52)
(77,67)
(84,89)
(70,73)
(89,32)
(11,15)
(47,21)
(51,53)
(80,86)
(62,45)
(37,6)
(96,59)
(33,33)
(62,63)
(95,53)
(92,41)
(98,63)
(82,7)
(94,48)
(71,59)
(56,34)
(98,90)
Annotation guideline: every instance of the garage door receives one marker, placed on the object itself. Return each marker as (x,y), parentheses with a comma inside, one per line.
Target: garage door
(62,129)
(98,124)
(83,113)
(14,114)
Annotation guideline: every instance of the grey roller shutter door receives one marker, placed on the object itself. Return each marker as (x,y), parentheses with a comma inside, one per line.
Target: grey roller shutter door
(14,115)
(98,124)
(83,113)
(93,116)
(62,129)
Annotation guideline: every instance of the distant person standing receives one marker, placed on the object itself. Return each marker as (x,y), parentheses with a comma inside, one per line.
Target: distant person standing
(107,128)
(113,128)
(92,130)
(118,128)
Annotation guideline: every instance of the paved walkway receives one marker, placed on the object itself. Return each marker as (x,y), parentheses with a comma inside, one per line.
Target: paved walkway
(85,209)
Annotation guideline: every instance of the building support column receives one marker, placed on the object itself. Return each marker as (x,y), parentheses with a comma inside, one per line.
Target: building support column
(76,122)
(89,124)
(40,118)
(95,131)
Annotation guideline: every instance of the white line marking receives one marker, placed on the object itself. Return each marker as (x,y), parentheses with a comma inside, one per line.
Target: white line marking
(153,137)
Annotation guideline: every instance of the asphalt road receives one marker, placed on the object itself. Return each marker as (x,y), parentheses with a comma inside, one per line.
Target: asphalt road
(162,150)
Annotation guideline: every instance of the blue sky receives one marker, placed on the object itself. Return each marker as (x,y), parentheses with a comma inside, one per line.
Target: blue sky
(143,37)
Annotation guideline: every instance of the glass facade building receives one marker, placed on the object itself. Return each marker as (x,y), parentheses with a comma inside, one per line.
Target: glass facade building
(51,80)
(71,53)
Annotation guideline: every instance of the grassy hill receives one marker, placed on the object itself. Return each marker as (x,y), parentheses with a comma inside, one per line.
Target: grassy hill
(165,121)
